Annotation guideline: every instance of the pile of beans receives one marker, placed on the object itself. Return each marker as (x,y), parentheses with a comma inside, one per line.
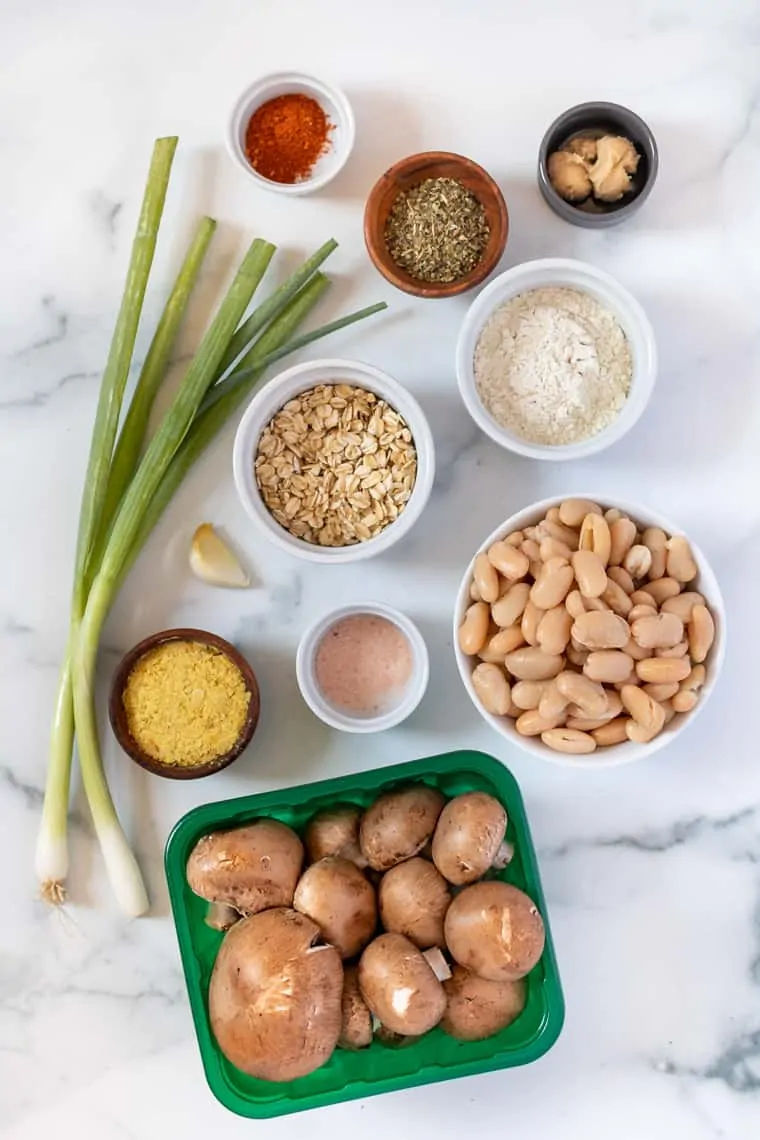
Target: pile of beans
(587,629)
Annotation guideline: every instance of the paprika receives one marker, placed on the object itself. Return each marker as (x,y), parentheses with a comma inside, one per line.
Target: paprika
(286,136)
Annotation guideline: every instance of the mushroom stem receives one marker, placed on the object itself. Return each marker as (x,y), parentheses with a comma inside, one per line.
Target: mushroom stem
(437,963)
(353,853)
(503,856)
(220,916)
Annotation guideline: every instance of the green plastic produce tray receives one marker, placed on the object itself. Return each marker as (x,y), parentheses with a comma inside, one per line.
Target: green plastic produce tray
(381,1068)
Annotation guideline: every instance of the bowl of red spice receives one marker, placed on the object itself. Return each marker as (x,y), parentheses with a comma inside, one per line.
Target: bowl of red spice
(291,133)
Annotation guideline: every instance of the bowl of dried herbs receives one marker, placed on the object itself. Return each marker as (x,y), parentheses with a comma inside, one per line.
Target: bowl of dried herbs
(435,224)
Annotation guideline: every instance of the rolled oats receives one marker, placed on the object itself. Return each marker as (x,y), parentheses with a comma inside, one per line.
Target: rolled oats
(336,465)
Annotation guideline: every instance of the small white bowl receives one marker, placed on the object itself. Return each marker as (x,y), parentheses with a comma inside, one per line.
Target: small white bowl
(616,754)
(559,271)
(333,102)
(324,709)
(273,396)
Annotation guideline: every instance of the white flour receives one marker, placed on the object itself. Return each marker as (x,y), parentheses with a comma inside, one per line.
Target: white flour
(553,366)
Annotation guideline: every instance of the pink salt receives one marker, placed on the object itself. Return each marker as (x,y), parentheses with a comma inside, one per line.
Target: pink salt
(363,664)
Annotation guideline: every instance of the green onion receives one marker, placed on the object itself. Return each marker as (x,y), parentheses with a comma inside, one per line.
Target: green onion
(121,864)
(135,426)
(123,498)
(211,419)
(274,305)
(119,359)
(223,400)
(52,848)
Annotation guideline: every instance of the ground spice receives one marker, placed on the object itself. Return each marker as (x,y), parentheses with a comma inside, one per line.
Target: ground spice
(363,664)
(286,136)
(186,703)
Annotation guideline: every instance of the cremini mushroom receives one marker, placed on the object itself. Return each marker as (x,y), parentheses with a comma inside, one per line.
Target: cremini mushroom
(400,986)
(478,1008)
(275,996)
(249,868)
(495,930)
(335,831)
(469,838)
(356,1024)
(335,894)
(399,824)
(413,899)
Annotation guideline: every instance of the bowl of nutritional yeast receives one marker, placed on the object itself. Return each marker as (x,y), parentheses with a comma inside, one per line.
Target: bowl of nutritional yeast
(588,631)
(556,360)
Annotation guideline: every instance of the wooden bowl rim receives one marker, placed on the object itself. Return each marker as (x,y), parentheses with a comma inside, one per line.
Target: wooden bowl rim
(118,717)
(377,250)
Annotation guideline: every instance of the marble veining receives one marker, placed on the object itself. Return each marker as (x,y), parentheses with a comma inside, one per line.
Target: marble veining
(651,872)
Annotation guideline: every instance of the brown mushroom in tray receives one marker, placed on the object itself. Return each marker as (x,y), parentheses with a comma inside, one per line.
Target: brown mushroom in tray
(413,899)
(400,986)
(335,894)
(399,824)
(469,838)
(495,930)
(249,868)
(334,831)
(356,1025)
(477,1008)
(275,996)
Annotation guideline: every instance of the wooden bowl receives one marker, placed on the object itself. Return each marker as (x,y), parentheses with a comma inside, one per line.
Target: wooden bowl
(410,172)
(118,715)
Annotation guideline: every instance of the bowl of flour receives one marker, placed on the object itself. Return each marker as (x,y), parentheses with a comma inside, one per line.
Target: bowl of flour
(556,360)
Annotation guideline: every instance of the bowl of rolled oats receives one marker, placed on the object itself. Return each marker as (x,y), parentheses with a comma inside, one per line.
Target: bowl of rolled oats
(334,461)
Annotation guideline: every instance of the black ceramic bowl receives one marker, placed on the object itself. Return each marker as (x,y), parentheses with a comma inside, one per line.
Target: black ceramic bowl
(594,120)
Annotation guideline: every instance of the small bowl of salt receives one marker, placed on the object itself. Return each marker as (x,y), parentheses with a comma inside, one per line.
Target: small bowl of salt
(556,360)
(362,668)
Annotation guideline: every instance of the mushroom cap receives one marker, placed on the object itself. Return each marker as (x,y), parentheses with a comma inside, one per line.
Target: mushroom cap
(495,930)
(250,868)
(356,1027)
(275,997)
(335,894)
(468,836)
(400,987)
(334,831)
(477,1008)
(399,824)
(414,898)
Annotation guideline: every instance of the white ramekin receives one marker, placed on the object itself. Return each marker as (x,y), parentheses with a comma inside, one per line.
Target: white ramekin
(559,271)
(616,754)
(335,105)
(284,387)
(321,707)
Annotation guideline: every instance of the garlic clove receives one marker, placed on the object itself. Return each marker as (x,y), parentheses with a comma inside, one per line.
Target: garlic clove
(212,561)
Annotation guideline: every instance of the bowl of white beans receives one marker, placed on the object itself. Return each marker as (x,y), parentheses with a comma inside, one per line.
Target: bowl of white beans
(587,632)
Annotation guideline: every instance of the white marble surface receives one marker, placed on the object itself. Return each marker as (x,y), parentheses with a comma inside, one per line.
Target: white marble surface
(651,872)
